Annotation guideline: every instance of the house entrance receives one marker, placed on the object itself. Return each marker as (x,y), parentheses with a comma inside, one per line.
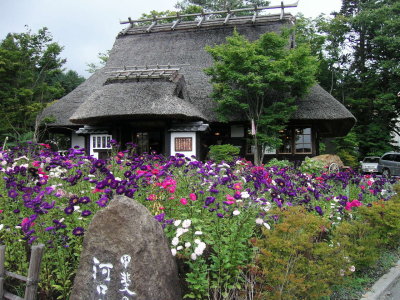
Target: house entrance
(147,141)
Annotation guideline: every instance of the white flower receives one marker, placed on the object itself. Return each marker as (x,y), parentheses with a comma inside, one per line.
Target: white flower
(352,268)
(61,220)
(341,272)
(186,223)
(177,223)
(197,241)
(1,226)
(188,244)
(245,194)
(179,248)
(77,207)
(175,241)
(193,256)
(198,251)
(266,225)
(198,232)
(179,232)
(173,251)
(236,213)
(259,221)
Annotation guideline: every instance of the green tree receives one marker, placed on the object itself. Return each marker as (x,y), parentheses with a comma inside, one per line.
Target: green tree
(103,57)
(260,80)
(28,62)
(31,76)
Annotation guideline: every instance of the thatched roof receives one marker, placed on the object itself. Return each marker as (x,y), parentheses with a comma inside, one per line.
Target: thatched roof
(100,99)
(320,107)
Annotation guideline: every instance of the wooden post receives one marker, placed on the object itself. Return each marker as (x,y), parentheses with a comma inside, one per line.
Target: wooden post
(33,273)
(2,269)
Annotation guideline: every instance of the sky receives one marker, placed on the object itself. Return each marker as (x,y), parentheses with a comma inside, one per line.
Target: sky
(88,27)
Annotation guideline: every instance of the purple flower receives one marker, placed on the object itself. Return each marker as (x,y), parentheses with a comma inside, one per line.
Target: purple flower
(12,194)
(209,200)
(219,215)
(318,209)
(120,190)
(69,210)
(50,228)
(78,231)
(86,213)
(42,181)
(160,217)
(73,200)
(84,200)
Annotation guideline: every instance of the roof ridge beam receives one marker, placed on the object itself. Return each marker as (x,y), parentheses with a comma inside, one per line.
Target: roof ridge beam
(258,8)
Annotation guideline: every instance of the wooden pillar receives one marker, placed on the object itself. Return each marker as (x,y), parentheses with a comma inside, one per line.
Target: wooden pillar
(33,273)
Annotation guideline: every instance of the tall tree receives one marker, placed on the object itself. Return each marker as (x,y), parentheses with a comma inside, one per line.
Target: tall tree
(261,81)
(30,78)
(371,82)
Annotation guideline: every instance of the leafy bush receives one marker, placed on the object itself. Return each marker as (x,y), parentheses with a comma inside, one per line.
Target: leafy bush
(311,166)
(278,163)
(225,152)
(296,259)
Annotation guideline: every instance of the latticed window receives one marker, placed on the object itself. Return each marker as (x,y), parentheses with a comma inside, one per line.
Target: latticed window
(296,140)
(101,141)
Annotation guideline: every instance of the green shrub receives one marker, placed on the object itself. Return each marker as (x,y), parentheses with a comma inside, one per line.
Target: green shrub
(278,163)
(384,219)
(311,166)
(296,260)
(360,242)
(225,152)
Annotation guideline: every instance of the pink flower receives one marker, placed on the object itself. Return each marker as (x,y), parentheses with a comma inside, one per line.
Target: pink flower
(183,201)
(230,198)
(152,197)
(356,203)
(1,211)
(237,186)
(36,163)
(348,206)
(192,196)
(362,187)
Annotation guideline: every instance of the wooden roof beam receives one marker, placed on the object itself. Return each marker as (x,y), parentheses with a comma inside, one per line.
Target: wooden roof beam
(259,8)
(203,17)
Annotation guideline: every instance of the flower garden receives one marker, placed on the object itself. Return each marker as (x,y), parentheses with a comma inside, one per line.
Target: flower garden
(237,231)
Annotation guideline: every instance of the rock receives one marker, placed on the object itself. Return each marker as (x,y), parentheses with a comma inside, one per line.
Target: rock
(328,159)
(126,256)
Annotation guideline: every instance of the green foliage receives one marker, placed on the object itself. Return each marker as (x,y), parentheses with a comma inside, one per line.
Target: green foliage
(225,152)
(311,166)
(103,57)
(347,148)
(30,77)
(296,260)
(278,163)
(384,218)
(358,51)
(260,80)
(360,242)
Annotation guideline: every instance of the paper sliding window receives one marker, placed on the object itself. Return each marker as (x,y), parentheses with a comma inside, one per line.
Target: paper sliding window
(101,141)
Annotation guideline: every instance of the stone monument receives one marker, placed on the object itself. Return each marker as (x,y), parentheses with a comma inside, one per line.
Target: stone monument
(126,256)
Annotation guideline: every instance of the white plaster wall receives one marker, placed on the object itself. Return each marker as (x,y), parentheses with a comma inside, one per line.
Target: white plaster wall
(183,134)
(77,140)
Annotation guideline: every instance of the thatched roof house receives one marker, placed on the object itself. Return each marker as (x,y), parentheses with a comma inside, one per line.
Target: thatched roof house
(153,90)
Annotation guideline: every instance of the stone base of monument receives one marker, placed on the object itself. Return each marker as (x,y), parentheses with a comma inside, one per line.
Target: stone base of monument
(126,256)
